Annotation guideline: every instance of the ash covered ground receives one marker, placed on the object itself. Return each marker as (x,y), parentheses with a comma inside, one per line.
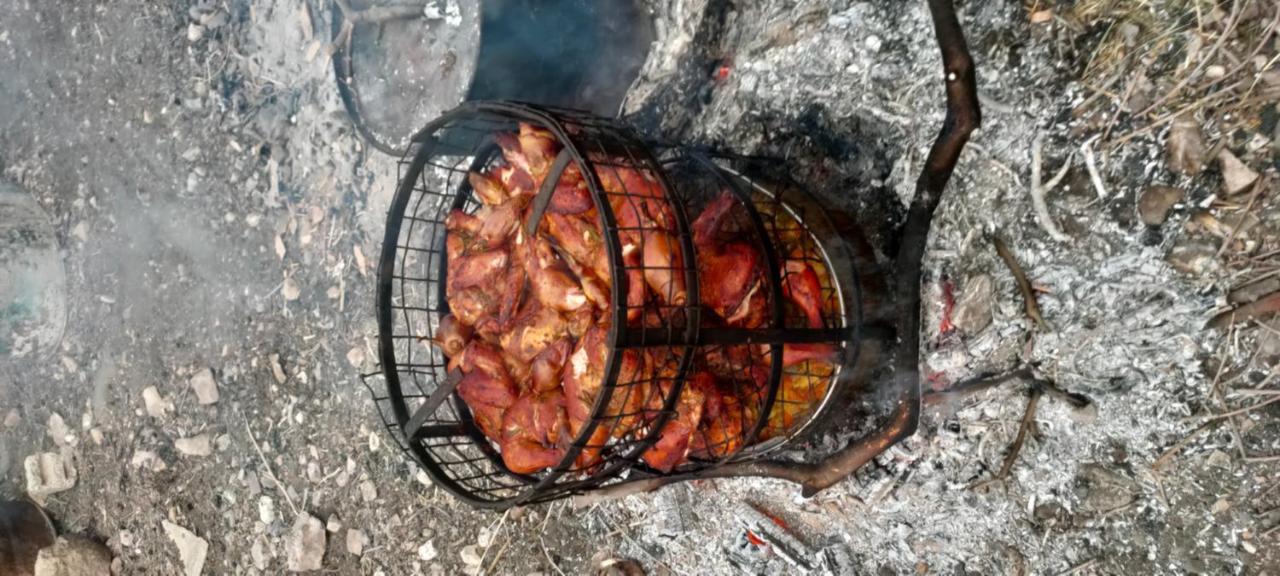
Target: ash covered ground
(217,211)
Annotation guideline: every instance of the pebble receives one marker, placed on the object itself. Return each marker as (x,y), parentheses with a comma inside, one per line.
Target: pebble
(157,406)
(192,549)
(149,460)
(355,356)
(48,473)
(266,509)
(194,32)
(356,541)
(470,555)
(58,430)
(73,556)
(261,559)
(198,445)
(290,289)
(12,419)
(1156,202)
(368,492)
(205,387)
(334,523)
(304,546)
(1236,176)
(973,309)
(427,551)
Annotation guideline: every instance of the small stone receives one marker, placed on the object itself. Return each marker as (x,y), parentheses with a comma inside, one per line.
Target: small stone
(194,32)
(334,523)
(1222,505)
(304,546)
(96,435)
(277,371)
(192,549)
(198,445)
(156,405)
(1184,149)
(355,356)
(48,473)
(259,552)
(73,556)
(125,538)
(1156,202)
(427,551)
(12,419)
(1219,459)
(149,460)
(470,555)
(1236,176)
(972,313)
(58,430)
(356,541)
(205,387)
(1105,490)
(368,492)
(290,289)
(266,510)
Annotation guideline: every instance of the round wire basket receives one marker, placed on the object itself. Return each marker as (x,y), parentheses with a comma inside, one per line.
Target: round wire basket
(563,306)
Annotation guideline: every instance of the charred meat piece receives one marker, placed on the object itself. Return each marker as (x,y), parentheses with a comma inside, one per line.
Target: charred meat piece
(467,270)
(552,282)
(672,446)
(801,286)
(581,241)
(726,276)
(485,387)
(548,366)
(539,147)
(452,335)
(571,196)
(532,431)
(472,305)
(533,331)
(488,188)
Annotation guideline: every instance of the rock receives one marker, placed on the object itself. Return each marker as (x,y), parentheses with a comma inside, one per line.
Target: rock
(277,371)
(266,509)
(427,551)
(24,530)
(304,546)
(192,549)
(290,289)
(205,387)
(198,445)
(74,556)
(58,430)
(149,460)
(1156,202)
(48,473)
(156,405)
(194,32)
(333,524)
(356,541)
(1236,177)
(973,309)
(12,419)
(355,356)
(1105,490)
(261,559)
(368,492)
(1184,150)
(470,555)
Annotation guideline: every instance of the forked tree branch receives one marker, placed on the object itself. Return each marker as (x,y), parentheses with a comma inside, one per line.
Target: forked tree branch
(963,117)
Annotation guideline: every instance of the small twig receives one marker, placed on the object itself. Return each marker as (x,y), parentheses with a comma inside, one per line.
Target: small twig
(1269,304)
(1239,411)
(1092,166)
(971,386)
(267,466)
(1236,11)
(1258,186)
(1081,568)
(379,14)
(1024,285)
(1028,419)
(1173,451)
(1039,189)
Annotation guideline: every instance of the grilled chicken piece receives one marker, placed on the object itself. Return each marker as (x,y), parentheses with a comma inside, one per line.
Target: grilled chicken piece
(513,287)
(711,227)
(583,382)
(467,270)
(547,369)
(517,181)
(498,223)
(472,305)
(532,430)
(452,335)
(539,147)
(488,188)
(725,423)
(581,241)
(536,328)
(572,195)
(726,276)
(672,447)
(800,285)
(486,387)
(552,282)
(793,354)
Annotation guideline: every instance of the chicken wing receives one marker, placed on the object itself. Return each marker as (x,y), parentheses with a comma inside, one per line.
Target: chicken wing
(532,429)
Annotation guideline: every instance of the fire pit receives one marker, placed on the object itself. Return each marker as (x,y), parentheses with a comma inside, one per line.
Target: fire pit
(565,308)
